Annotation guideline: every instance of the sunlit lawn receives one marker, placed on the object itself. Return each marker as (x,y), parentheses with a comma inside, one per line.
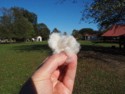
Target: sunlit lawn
(98,72)
(17,62)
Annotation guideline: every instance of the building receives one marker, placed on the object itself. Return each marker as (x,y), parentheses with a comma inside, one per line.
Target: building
(38,39)
(88,36)
(116,33)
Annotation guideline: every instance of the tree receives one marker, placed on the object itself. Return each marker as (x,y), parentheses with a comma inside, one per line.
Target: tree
(106,12)
(23,29)
(43,31)
(6,24)
(103,12)
(18,12)
(17,23)
(76,34)
(86,30)
(55,30)
(32,17)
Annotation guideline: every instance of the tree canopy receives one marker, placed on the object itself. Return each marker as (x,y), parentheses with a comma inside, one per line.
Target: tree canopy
(103,12)
(106,12)
(17,23)
(20,24)
(78,34)
(23,29)
(55,30)
(86,30)
(43,31)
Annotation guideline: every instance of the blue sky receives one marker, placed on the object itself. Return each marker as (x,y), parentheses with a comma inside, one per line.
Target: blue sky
(65,16)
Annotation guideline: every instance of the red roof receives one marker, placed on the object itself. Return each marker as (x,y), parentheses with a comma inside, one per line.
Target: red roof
(116,30)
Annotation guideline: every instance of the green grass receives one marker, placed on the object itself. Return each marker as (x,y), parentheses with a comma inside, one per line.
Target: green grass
(98,44)
(17,63)
(101,70)
(97,77)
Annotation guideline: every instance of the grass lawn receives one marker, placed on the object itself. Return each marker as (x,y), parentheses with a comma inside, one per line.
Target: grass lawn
(17,63)
(101,69)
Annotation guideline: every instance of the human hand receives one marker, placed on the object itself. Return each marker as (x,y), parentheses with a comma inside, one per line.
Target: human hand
(55,76)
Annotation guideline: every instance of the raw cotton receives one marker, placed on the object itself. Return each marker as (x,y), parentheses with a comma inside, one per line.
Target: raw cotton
(66,43)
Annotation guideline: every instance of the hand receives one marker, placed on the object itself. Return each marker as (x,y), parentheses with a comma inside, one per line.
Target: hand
(55,76)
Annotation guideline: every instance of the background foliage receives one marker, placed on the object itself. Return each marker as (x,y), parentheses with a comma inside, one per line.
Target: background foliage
(21,24)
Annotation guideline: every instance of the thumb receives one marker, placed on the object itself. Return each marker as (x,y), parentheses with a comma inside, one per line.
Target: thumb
(50,65)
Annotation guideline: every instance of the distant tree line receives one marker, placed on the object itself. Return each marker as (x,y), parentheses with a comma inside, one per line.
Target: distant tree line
(20,24)
(78,34)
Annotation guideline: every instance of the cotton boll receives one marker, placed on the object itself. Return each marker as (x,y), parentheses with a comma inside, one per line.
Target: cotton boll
(73,45)
(53,42)
(59,43)
(63,43)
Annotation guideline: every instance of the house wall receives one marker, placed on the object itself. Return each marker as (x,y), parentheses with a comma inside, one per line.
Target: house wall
(89,37)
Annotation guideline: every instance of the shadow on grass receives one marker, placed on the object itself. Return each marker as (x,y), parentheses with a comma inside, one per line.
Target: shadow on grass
(104,50)
(101,70)
(105,54)
(33,47)
(100,49)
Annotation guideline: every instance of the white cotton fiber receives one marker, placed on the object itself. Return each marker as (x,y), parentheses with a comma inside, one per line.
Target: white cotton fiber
(66,43)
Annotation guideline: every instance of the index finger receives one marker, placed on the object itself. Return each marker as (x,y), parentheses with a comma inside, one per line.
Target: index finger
(51,64)
(70,73)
